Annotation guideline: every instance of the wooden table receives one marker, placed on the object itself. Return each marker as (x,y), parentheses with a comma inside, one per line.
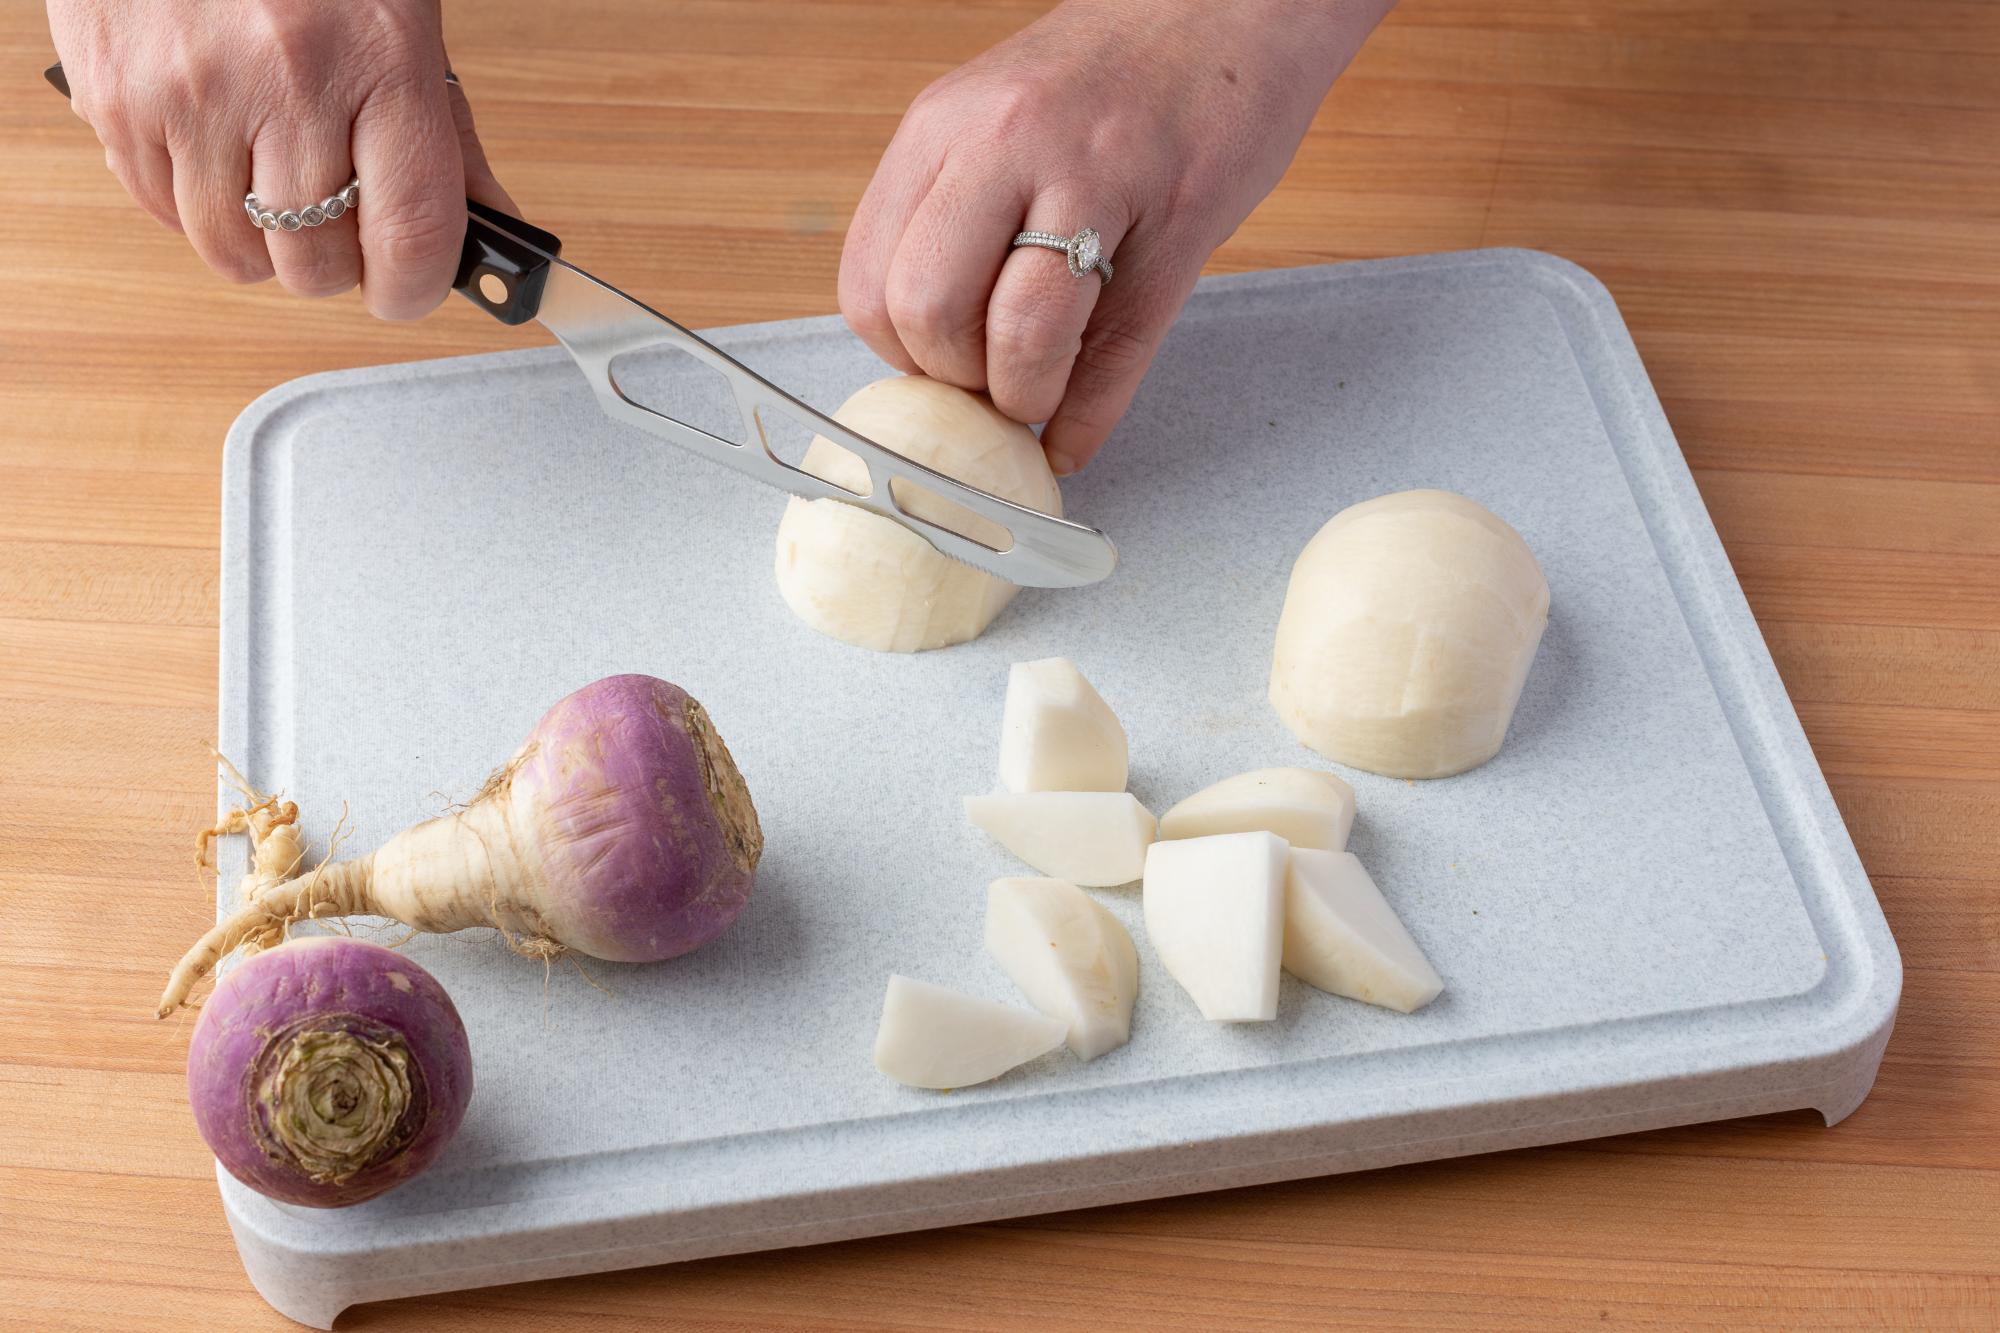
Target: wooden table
(1797,206)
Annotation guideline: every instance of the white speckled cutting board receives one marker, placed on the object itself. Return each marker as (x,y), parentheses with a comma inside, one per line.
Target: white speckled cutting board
(1646,910)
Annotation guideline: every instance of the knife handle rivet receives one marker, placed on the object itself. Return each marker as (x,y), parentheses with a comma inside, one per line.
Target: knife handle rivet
(493,287)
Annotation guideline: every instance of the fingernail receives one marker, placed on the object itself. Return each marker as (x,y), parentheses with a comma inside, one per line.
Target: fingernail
(1061,463)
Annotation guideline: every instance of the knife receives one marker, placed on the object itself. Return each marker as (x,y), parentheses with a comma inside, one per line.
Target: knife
(515,273)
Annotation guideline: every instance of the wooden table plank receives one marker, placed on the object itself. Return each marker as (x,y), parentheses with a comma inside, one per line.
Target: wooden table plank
(1798,208)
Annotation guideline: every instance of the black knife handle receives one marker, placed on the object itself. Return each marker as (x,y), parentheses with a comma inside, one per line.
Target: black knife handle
(503,265)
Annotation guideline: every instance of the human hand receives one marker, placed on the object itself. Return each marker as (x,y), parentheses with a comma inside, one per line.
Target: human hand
(196,101)
(1160,124)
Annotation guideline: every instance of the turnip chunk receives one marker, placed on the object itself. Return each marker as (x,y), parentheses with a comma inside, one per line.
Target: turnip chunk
(931,1037)
(328,1070)
(1408,629)
(867,580)
(1097,838)
(620,829)
(1215,912)
(1057,733)
(1341,935)
(1305,807)
(1070,957)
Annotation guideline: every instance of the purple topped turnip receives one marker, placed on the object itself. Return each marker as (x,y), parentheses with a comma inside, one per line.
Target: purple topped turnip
(620,829)
(328,1070)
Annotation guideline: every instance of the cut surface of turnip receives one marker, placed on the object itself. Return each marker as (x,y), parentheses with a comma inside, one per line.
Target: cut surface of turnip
(934,1037)
(1408,629)
(1215,913)
(1097,838)
(1342,936)
(1070,957)
(1305,807)
(1057,733)
(869,581)
(328,1070)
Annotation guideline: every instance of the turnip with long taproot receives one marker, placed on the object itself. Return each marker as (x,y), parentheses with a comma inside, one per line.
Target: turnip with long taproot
(621,829)
(328,1070)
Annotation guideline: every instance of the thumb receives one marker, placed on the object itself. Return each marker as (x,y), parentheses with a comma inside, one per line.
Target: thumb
(480,183)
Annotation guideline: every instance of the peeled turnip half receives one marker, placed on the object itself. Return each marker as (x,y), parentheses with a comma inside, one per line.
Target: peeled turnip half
(867,580)
(1341,935)
(1303,806)
(328,1070)
(1086,837)
(1057,733)
(1071,958)
(1215,912)
(620,829)
(932,1037)
(1408,629)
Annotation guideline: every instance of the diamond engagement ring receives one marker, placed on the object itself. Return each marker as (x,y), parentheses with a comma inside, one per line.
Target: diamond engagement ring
(326,210)
(1082,251)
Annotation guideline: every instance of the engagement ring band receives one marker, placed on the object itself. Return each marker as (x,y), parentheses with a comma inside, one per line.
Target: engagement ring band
(1082,251)
(326,210)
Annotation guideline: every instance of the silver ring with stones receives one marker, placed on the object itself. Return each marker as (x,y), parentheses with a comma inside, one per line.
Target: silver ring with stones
(1083,252)
(312,215)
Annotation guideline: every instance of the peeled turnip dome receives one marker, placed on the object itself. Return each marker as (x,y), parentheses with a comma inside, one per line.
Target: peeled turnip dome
(1408,628)
(869,581)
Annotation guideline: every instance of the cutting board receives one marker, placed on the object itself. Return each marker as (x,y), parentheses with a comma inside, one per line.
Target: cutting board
(1646,909)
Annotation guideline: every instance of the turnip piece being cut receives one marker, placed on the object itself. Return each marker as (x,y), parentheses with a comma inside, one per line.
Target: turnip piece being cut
(1097,838)
(933,1037)
(1342,936)
(1070,957)
(1057,733)
(328,1070)
(620,829)
(868,580)
(1408,629)
(1305,807)
(1215,912)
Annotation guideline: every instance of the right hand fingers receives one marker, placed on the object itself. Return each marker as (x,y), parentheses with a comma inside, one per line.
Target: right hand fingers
(297,163)
(479,180)
(412,211)
(209,172)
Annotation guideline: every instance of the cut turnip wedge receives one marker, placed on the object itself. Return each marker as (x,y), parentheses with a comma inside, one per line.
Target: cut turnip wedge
(1341,935)
(1086,837)
(1215,912)
(1070,957)
(1305,807)
(1057,733)
(932,1037)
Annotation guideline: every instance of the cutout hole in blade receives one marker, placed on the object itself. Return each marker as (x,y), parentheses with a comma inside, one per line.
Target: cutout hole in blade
(919,502)
(674,384)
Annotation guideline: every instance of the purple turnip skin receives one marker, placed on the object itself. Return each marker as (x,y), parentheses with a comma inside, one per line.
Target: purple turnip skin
(620,829)
(361,1046)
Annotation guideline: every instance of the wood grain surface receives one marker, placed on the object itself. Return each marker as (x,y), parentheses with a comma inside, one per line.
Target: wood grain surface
(1797,206)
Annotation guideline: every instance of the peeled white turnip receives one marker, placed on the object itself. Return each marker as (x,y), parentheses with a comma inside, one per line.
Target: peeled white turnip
(1342,936)
(1305,807)
(869,581)
(1070,957)
(1215,913)
(933,1037)
(1408,629)
(1097,838)
(1057,733)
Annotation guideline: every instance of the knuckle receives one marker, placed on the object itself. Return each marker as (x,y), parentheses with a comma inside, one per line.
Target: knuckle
(317,274)
(1029,336)
(1115,350)
(417,238)
(926,311)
